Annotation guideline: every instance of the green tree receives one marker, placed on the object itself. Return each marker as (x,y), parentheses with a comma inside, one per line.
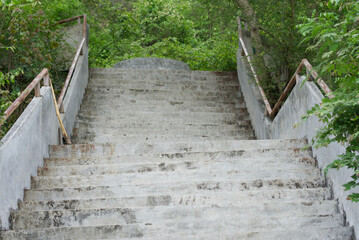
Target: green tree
(334,38)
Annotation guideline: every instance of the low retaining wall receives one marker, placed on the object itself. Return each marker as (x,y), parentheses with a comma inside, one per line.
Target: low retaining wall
(25,146)
(302,98)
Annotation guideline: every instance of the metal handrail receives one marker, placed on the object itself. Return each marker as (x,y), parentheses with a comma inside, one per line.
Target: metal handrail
(76,58)
(35,84)
(304,63)
(44,74)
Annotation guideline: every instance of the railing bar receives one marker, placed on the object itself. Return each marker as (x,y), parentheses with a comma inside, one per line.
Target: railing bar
(70,19)
(69,75)
(84,26)
(23,95)
(264,97)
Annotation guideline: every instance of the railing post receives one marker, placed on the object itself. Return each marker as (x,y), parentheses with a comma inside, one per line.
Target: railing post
(47,80)
(62,109)
(309,75)
(84,26)
(37,90)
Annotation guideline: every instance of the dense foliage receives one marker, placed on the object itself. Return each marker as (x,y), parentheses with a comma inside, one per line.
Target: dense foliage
(334,36)
(201,33)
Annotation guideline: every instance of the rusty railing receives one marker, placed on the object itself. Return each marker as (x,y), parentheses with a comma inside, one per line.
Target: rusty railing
(44,74)
(311,73)
(79,52)
(35,84)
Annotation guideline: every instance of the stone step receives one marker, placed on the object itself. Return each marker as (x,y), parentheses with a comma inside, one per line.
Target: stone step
(175,117)
(238,114)
(260,156)
(175,87)
(173,147)
(165,92)
(113,120)
(164,96)
(116,132)
(162,103)
(220,199)
(146,72)
(169,97)
(246,190)
(172,86)
(244,218)
(119,79)
(185,165)
(127,107)
(49,182)
(162,125)
(149,232)
(134,138)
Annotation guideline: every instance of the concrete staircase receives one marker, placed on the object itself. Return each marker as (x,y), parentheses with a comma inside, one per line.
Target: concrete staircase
(172,155)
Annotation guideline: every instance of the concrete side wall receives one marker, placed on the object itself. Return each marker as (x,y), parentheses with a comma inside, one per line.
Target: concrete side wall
(75,92)
(25,146)
(22,150)
(302,98)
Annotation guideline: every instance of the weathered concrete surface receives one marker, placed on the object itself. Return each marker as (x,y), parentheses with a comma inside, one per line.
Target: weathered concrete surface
(161,159)
(23,148)
(75,92)
(152,63)
(303,97)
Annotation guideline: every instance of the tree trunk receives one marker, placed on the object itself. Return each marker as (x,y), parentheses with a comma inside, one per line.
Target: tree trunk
(250,15)
(259,63)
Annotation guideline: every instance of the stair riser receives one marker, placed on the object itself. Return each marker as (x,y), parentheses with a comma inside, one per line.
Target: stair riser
(163,103)
(220,199)
(115,133)
(84,125)
(169,97)
(275,190)
(46,182)
(124,107)
(164,92)
(170,215)
(284,156)
(177,87)
(172,147)
(231,166)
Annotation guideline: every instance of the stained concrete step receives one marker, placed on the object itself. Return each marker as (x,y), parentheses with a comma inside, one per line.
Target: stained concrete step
(127,107)
(260,156)
(161,72)
(116,132)
(272,217)
(139,232)
(162,125)
(173,112)
(179,117)
(195,175)
(94,139)
(178,87)
(119,79)
(162,103)
(254,189)
(168,96)
(173,147)
(113,120)
(102,168)
(218,198)
(163,91)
